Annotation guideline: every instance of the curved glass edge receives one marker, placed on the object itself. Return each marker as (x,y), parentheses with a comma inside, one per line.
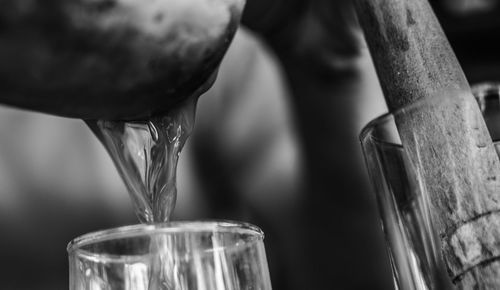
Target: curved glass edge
(479,91)
(367,130)
(375,123)
(219,226)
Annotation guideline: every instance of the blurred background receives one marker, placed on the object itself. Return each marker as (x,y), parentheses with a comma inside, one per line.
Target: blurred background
(275,144)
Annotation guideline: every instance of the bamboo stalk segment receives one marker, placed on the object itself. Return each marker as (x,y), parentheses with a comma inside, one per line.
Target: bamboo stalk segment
(444,134)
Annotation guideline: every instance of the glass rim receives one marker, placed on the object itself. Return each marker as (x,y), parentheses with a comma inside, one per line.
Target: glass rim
(479,91)
(139,230)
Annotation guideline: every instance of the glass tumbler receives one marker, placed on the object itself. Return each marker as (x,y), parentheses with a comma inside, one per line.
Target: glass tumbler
(173,256)
(413,246)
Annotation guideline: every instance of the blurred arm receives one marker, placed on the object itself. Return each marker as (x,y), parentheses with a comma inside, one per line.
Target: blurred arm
(244,123)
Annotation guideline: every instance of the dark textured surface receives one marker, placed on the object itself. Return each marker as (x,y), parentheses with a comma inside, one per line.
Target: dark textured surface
(104,59)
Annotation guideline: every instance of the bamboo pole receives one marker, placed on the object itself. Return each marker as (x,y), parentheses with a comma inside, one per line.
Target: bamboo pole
(446,137)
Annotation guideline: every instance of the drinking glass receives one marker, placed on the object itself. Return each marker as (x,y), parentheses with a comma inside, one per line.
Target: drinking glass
(220,255)
(412,242)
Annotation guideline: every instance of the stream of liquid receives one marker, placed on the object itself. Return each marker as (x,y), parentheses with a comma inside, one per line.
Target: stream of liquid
(146,154)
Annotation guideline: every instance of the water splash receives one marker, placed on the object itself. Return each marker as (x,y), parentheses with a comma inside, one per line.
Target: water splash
(146,154)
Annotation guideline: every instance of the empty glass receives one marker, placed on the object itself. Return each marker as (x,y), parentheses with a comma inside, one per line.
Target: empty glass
(412,242)
(173,256)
